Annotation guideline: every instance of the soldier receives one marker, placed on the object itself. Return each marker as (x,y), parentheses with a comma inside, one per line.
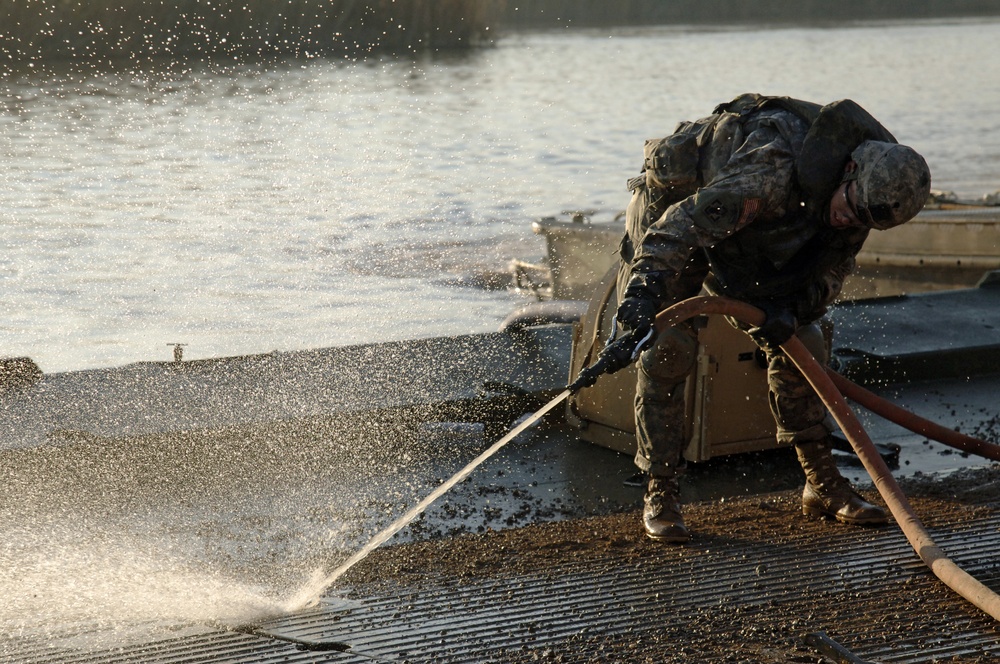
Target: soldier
(768,200)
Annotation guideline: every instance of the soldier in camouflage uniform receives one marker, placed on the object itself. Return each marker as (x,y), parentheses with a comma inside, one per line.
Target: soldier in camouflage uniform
(768,200)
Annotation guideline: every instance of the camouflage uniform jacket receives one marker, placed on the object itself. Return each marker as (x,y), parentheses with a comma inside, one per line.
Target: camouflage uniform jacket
(748,225)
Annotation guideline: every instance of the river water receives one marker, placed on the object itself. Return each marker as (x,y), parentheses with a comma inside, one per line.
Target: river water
(243,208)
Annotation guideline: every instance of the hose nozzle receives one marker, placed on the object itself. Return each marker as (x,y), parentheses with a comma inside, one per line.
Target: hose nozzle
(615,356)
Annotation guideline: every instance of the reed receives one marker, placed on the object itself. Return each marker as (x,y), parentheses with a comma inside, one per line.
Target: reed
(32,29)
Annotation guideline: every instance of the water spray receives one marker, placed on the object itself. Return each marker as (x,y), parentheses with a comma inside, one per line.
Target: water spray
(615,355)
(419,508)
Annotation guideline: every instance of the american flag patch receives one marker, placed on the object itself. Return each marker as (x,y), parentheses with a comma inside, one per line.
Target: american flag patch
(751,207)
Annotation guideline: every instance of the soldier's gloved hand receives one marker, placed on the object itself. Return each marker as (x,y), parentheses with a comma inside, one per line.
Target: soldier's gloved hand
(614,357)
(637,313)
(779,326)
(641,301)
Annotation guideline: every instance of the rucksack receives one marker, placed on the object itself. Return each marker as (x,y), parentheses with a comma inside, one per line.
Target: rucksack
(674,163)
(835,130)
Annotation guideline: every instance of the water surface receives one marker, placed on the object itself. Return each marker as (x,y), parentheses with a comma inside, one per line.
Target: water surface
(242,208)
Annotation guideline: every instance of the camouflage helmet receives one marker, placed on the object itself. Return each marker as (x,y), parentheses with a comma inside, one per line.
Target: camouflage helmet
(893,183)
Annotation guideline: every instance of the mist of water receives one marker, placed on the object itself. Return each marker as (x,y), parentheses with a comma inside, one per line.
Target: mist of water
(318,584)
(105,537)
(72,578)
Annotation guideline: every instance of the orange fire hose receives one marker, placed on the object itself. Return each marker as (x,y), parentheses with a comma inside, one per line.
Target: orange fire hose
(911,421)
(918,537)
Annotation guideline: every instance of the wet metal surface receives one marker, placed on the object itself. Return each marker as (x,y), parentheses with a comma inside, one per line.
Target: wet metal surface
(578,603)
(549,475)
(918,337)
(485,376)
(611,598)
(286,493)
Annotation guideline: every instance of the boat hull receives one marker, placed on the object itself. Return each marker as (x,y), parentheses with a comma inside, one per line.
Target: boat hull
(947,247)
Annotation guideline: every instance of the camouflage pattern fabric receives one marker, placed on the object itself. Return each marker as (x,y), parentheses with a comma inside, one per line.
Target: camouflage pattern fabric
(748,232)
(659,400)
(798,412)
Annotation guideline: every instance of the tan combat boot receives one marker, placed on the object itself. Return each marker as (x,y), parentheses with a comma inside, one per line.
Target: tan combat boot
(828,493)
(661,514)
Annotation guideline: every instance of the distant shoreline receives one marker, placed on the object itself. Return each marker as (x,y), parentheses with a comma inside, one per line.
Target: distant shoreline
(219,29)
(596,13)
(136,30)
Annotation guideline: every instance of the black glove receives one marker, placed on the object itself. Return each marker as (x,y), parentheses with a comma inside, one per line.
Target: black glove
(614,357)
(779,326)
(637,313)
(641,301)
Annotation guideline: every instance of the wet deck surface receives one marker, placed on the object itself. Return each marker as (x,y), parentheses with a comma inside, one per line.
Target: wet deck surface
(465,376)
(475,581)
(755,579)
(612,597)
(551,564)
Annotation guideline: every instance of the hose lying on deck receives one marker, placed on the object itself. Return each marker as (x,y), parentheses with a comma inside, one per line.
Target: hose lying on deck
(914,423)
(827,389)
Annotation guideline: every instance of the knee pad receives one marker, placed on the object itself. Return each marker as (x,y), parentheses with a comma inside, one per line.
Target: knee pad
(672,357)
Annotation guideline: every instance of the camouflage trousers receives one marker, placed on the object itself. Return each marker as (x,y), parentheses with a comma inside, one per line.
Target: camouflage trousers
(798,412)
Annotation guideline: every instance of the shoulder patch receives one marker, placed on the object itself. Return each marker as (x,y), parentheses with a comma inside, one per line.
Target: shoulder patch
(716,210)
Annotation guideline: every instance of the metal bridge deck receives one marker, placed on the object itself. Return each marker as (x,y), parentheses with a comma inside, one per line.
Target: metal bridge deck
(600,605)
